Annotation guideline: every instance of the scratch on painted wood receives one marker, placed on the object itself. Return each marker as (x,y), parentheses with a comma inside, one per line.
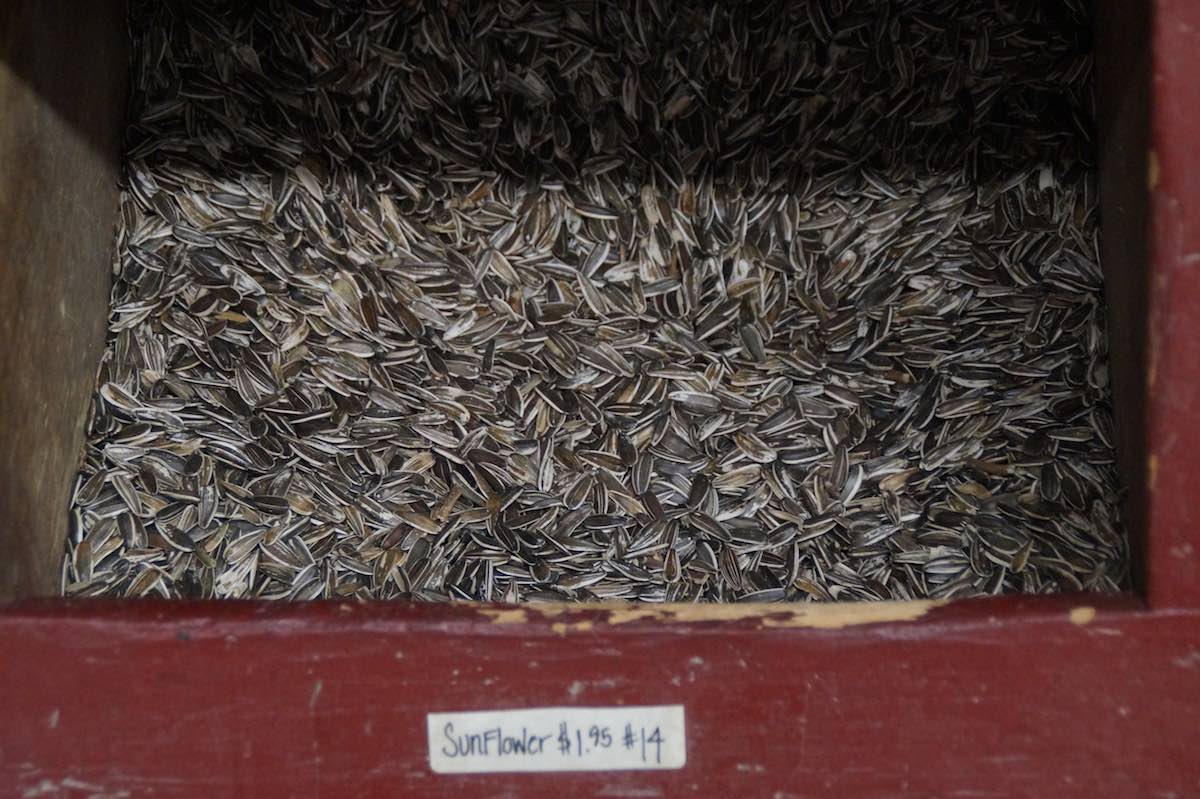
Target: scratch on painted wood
(70,786)
(505,616)
(562,628)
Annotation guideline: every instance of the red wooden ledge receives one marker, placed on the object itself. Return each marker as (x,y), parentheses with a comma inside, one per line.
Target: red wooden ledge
(1060,696)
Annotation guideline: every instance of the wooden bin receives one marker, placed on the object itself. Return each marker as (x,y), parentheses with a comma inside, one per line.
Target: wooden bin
(1049,696)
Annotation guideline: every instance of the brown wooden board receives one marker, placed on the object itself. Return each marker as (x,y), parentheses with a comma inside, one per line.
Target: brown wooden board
(62,76)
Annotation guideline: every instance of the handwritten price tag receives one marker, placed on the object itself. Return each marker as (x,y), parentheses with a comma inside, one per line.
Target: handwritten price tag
(557,739)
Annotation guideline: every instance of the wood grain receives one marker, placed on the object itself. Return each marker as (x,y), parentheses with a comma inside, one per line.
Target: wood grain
(61,90)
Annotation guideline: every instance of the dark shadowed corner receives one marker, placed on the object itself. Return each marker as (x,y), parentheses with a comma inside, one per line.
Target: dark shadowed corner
(62,86)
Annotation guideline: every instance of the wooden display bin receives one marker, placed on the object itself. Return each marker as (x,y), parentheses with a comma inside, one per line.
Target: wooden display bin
(1082,695)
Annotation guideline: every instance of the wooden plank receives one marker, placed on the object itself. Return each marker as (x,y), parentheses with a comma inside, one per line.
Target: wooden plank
(1174,360)
(1122,94)
(1064,696)
(62,76)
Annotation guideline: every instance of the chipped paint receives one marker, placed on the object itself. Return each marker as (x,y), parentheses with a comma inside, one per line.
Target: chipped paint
(826,616)
(1082,615)
(505,615)
(855,613)
(562,628)
(831,616)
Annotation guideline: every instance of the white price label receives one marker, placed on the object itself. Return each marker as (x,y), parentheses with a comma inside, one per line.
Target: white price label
(557,739)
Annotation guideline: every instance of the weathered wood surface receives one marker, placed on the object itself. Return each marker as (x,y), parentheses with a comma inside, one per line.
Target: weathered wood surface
(1065,696)
(62,77)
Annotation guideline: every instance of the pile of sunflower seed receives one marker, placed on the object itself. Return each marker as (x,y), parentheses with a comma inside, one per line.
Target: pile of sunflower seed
(575,301)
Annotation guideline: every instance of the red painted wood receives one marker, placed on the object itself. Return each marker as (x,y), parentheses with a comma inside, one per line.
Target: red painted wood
(985,698)
(1173,555)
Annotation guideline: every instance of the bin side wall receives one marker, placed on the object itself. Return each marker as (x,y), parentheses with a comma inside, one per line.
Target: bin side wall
(1173,360)
(62,85)
(1122,121)
(1007,697)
